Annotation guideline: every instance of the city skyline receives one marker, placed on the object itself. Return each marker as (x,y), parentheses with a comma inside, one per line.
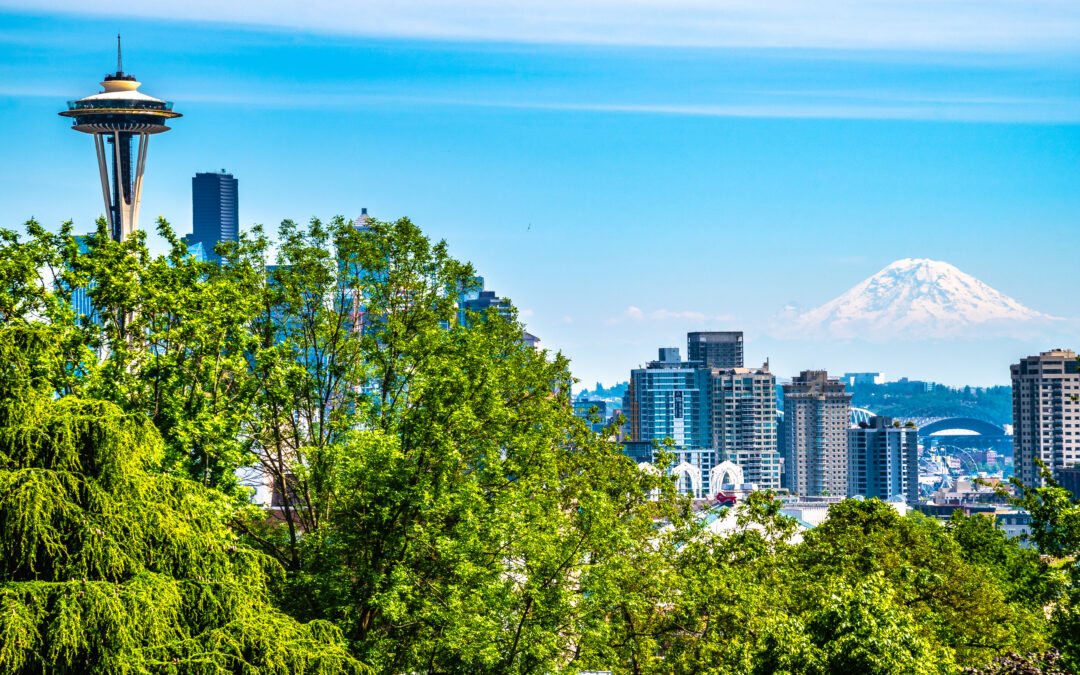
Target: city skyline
(742,162)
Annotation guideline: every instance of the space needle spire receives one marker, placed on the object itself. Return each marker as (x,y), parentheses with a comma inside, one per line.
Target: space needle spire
(115,117)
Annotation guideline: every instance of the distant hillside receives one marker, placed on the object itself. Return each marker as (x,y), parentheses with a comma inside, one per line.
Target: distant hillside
(911,399)
(902,399)
(615,391)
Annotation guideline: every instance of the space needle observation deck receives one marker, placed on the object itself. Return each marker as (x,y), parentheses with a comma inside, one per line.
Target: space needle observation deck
(116,117)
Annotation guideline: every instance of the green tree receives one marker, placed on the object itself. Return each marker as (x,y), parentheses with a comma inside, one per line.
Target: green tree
(107,565)
(860,629)
(1022,574)
(168,337)
(960,603)
(470,522)
(437,501)
(1055,529)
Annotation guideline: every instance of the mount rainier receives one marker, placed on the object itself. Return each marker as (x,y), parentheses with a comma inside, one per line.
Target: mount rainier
(916,298)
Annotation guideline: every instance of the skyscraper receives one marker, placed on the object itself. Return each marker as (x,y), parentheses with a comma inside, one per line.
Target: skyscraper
(116,117)
(743,422)
(883,460)
(669,398)
(1046,413)
(716,349)
(817,411)
(721,421)
(215,216)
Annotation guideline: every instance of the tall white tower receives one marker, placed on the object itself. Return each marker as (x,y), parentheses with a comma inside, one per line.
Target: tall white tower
(116,117)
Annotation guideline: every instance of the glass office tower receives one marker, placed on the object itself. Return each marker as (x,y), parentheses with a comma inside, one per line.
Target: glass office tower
(215,216)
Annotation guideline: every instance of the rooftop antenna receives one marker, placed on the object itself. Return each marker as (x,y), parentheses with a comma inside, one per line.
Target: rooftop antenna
(119,62)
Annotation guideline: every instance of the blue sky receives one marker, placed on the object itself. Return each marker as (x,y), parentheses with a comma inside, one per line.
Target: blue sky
(624,171)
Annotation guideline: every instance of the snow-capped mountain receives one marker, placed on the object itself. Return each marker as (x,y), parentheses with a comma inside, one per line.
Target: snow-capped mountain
(916,298)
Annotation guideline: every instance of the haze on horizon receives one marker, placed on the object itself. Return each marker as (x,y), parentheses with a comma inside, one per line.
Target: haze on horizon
(624,171)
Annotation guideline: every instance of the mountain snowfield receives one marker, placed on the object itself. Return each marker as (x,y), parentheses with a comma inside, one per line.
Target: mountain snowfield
(917,298)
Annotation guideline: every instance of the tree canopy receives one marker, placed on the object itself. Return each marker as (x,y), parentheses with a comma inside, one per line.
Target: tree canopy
(436,505)
(109,565)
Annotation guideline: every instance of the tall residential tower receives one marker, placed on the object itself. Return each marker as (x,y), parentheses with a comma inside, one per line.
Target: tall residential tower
(743,423)
(817,411)
(1046,413)
(668,399)
(116,117)
(716,349)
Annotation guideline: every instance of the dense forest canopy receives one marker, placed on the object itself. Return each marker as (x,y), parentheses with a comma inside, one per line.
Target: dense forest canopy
(438,506)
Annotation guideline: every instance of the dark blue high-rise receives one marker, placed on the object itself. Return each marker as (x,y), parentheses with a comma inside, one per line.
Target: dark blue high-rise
(214,211)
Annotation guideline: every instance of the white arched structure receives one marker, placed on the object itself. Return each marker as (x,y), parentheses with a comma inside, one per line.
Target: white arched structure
(860,415)
(687,476)
(716,476)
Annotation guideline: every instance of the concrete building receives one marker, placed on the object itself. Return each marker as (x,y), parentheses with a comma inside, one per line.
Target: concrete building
(743,422)
(1014,523)
(817,412)
(862,379)
(80,297)
(215,215)
(883,460)
(486,300)
(668,398)
(1046,413)
(478,299)
(716,349)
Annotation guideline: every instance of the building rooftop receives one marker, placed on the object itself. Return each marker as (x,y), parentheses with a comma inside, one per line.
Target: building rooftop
(1060,352)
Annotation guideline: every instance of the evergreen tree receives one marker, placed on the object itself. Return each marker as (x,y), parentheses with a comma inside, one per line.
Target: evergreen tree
(109,565)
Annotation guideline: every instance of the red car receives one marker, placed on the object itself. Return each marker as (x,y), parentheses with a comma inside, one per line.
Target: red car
(725,499)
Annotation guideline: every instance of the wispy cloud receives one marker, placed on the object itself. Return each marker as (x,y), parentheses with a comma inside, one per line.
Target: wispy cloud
(874,24)
(957,109)
(1031,111)
(637,314)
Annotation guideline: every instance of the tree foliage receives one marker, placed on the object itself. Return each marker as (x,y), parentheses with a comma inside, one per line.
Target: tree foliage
(1055,525)
(437,506)
(108,565)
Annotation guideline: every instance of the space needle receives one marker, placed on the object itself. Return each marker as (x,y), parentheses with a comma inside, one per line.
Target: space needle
(115,117)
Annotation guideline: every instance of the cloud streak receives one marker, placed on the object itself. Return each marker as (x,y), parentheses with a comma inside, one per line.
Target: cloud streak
(899,107)
(988,25)
(636,314)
